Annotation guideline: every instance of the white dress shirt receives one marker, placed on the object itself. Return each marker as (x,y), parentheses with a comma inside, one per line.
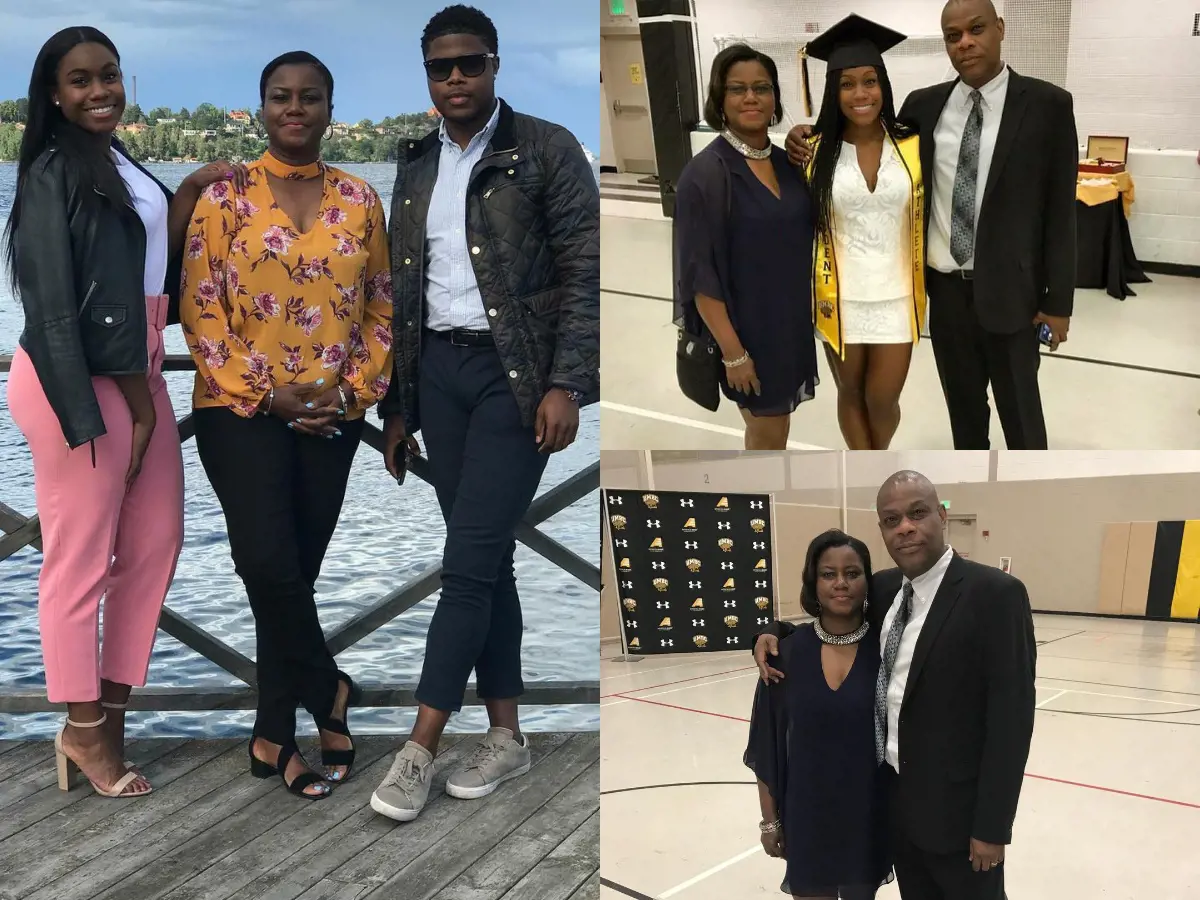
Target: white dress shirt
(947,142)
(452,296)
(151,205)
(925,588)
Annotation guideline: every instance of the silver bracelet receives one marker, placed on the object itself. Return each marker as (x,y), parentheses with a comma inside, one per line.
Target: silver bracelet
(345,402)
(270,402)
(769,827)
(734,363)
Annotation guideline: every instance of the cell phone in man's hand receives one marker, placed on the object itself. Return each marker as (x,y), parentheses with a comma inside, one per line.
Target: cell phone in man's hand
(400,461)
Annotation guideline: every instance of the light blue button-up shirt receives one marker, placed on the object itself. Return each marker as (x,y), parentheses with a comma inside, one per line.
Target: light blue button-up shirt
(452,298)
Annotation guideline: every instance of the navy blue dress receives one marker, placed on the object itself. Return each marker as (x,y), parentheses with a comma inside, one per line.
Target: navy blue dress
(814,748)
(739,243)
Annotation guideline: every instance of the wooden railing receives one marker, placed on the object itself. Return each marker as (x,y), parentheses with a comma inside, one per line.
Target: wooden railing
(22,531)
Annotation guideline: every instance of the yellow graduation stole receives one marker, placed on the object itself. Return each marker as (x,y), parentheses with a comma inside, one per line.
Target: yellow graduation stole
(826,309)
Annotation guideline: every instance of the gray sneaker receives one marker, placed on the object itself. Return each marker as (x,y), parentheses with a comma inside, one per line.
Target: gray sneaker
(405,789)
(497,759)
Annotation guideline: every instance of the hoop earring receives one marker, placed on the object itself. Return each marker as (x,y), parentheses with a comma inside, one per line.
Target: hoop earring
(329,132)
(866,604)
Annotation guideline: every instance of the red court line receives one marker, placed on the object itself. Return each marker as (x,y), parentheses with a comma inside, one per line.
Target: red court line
(681,681)
(1092,787)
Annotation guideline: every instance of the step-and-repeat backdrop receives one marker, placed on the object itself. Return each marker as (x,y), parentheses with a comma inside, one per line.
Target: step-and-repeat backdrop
(694,570)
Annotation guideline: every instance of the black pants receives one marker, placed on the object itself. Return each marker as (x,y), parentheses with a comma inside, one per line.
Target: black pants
(968,358)
(486,469)
(923,875)
(281,493)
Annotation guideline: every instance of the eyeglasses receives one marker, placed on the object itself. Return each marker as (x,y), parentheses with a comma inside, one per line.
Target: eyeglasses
(472,66)
(760,90)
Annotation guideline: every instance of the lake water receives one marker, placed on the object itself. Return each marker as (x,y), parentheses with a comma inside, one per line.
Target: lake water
(386,535)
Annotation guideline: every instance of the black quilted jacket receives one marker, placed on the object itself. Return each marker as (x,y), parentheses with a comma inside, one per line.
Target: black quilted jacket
(533,216)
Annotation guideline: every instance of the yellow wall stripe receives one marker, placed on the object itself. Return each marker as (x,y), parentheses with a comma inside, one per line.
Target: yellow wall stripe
(1186,602)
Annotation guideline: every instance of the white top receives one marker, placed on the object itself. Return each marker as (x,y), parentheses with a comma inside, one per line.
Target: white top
(947,142)
(151,205)
(925,588)
(870,229)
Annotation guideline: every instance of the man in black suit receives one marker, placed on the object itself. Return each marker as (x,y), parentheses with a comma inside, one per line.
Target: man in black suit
(954,703)
(999,156)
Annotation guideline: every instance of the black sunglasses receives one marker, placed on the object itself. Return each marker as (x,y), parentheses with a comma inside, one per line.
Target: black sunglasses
(471,66)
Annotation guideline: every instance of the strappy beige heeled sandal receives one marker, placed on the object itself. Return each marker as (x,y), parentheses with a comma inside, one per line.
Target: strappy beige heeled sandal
(68,768)
(129,767)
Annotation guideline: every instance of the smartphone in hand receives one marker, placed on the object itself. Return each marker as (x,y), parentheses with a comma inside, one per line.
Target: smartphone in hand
(1045,335)
(400,461)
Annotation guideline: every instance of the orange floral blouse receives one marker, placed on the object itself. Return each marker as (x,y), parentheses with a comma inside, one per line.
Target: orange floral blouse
(263,305)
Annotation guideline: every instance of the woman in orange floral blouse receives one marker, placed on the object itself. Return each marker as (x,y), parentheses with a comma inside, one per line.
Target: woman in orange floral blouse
(286,306)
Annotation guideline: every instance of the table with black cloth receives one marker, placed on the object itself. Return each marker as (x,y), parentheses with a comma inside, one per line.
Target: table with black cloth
(1105,257)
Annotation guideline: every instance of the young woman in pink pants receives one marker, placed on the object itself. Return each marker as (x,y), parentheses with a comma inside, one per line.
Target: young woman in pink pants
(94,244)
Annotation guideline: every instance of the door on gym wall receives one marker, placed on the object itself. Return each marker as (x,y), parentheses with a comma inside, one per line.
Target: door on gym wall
(623,72)
(960,534)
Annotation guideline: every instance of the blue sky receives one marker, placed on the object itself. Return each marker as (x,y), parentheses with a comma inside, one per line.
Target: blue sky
(186,52)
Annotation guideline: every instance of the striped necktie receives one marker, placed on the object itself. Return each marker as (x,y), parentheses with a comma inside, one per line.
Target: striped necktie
(890,649)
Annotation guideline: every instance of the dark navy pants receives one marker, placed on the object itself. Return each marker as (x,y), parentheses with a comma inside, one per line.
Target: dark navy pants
(486,469)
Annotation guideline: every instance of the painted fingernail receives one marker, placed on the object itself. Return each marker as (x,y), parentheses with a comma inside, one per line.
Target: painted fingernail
(309,405)
(338,433)
(290,425)
(320,381)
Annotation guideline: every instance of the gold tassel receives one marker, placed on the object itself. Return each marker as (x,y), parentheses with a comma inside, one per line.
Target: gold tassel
(804,78)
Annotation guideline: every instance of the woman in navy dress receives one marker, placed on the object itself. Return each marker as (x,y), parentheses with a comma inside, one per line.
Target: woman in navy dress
(743,243)
(812,736)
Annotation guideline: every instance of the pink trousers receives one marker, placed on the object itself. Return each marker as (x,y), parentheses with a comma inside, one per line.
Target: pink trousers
(99,540)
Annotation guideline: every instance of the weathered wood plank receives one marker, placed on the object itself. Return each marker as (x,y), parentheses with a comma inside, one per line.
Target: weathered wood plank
(220,862)
(513,859)
(24,758)
(36,797)
(589,890)
(152,826)
(567,867)
(311,865)
(6,745)
(327,889)
(500,815)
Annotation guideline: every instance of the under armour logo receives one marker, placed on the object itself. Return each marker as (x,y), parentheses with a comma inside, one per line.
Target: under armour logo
(622,543)
(730,604)
(731,640)
(628,585)
(697,623)
(763,620)
(695,585)
(724,526)
(629,623)
(663,604)
(691,545)
(667,642)
(726,565)
(756,504)
(653,523)
(760,584)
(615,501)
(687,503)
(658,565)
(760,545)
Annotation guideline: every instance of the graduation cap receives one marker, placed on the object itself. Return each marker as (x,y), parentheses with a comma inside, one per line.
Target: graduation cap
(850,43)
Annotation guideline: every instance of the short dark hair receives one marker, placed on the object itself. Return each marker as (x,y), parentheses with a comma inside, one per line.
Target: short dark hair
(460,19)
(714,106)
(295,58)
(827,541)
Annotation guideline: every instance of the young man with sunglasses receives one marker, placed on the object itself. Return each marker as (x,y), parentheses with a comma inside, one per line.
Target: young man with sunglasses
(495,243)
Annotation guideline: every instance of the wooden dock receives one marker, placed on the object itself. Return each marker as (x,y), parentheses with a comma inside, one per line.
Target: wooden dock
(210,831)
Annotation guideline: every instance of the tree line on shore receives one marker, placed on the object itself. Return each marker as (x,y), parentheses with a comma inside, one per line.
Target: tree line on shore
(188,134)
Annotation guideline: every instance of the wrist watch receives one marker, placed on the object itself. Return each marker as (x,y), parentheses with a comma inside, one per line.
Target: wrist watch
(576,397)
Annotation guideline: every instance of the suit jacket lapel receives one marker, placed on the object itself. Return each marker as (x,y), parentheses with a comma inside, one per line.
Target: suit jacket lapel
(943,602)
(1010,122)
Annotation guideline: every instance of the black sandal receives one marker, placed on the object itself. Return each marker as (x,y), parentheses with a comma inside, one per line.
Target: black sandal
(260,769)
(342,727)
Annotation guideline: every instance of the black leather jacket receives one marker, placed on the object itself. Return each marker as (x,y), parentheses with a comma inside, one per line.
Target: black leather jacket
(533,210)
(80,270)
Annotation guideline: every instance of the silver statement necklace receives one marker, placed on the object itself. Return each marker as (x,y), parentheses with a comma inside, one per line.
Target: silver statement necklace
(840,639)
(745,149)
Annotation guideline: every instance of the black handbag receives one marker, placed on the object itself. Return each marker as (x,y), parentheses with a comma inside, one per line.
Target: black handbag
(698,369)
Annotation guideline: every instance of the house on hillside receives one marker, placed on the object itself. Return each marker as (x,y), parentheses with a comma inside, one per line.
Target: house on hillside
(133,128)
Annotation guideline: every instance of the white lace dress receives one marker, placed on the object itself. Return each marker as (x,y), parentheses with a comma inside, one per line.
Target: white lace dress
(872,245)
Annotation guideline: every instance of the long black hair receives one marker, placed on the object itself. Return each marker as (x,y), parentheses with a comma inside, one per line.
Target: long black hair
(46,126)
(827,541)
(831,125)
